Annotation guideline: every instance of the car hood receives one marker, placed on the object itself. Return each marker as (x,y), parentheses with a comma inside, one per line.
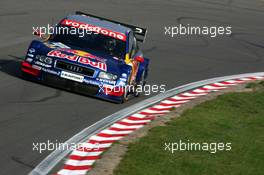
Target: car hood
(94,60)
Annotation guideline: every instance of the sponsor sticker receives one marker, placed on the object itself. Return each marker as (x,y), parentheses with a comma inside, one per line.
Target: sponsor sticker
(92,82)
(93,28)
(42,64)
(106,81)
(30,55)
(124,75)
(50,71)
(60,45)
(83,54)
(29,60)
(55,45)
(123,79)
(36,67)
(83,60)
(121,83)
(71,76)
(31,50)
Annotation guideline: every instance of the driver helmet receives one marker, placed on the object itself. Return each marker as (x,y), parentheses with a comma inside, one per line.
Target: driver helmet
(110,44)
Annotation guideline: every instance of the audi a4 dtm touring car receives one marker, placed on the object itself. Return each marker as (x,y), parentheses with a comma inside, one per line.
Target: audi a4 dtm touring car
(102,58)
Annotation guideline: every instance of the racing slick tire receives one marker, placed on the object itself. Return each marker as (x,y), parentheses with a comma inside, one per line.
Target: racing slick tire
(141,83)
(125,96)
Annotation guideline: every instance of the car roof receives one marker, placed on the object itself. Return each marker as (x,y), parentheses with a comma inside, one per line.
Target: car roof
(100,23)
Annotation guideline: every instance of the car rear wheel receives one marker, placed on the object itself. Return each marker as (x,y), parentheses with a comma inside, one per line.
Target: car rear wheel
(125,96)
(140,85)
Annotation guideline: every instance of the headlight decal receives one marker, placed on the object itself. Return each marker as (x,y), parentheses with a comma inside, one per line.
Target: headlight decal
(44,59)
(107,76)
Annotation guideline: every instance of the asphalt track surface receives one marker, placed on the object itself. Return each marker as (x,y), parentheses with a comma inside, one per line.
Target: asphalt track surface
(31,112)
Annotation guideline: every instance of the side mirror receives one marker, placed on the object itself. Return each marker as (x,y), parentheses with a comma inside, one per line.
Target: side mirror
(36,33)
(42,36)
(139,59)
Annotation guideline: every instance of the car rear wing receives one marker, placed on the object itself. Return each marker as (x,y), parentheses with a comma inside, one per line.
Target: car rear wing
(140,33)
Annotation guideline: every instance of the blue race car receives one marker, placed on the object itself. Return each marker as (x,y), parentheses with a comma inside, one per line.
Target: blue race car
(90,55)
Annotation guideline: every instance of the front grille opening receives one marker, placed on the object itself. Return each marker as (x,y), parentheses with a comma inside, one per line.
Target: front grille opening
(74,68)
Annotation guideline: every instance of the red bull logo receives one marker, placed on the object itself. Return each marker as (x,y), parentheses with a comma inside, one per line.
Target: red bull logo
(80,59)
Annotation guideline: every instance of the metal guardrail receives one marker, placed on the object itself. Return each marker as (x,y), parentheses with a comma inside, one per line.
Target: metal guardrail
(56,156)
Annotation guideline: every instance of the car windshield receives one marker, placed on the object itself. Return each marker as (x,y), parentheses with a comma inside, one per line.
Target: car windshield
(88,40)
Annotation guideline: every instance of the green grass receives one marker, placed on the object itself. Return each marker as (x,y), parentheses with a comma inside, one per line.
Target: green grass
(236,117)
(259,86)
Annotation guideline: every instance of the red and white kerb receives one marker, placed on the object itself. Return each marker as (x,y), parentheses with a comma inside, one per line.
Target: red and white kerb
(80,161)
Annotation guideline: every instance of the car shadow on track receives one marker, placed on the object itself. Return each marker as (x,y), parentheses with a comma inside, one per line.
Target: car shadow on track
(11,66)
